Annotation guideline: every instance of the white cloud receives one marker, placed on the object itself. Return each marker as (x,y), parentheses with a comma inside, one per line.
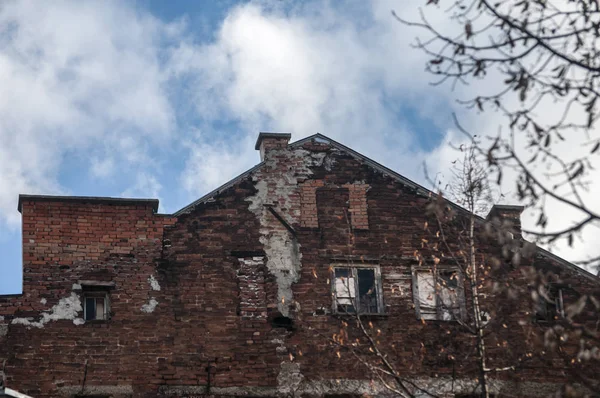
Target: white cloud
(314,70)
(146,185)
(97,77)
(102,167)
(74,75)
(337,72)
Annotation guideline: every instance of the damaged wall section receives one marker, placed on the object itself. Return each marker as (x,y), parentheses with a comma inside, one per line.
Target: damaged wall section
(277,185)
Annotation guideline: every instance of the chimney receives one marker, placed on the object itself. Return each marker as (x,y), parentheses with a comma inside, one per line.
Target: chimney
(270,141)
(507,215)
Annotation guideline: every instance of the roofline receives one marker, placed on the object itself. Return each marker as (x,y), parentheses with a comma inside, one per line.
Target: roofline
(378,166)
(218,190)
(87,199)
(385,170)
(367,160)
(567,263)
(509,207)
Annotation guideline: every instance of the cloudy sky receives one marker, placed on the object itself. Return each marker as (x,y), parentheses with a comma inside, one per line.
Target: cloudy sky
(165,99)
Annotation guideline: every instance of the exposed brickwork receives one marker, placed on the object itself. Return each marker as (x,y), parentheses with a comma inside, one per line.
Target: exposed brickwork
(225,273)
(251,276)
(358,205)
(308,200)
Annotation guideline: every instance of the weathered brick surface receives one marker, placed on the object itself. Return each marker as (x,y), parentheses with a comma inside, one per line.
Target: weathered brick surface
(224,270)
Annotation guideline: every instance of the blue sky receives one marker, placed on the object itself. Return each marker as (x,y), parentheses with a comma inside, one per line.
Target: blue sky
(164,99)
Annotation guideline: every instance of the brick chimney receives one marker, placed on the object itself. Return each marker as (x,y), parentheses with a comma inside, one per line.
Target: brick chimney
(269,141)
(507,215)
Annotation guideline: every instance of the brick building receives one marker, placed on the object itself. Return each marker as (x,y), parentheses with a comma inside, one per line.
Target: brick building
(238,293)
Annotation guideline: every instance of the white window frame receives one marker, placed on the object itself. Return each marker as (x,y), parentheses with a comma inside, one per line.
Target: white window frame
(439,309)
(353,269)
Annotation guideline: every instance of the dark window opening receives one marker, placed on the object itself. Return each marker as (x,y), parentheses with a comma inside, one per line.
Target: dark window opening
(549,305)
(357,288)
(282,322)
(96,306)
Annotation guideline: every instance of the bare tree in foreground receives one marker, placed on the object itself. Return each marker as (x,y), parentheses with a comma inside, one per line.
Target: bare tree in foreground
(448,268)
(535,64)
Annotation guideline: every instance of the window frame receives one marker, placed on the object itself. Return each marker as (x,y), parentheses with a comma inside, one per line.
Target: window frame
(353,268)
(460,293)
(96,294)
(556,291)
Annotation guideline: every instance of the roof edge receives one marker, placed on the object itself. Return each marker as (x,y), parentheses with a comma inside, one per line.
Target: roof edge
(567,263)
(419,188)
(87,199)
(216,191)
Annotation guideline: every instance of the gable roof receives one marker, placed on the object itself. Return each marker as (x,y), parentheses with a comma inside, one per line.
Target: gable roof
(419,189)
(318,138)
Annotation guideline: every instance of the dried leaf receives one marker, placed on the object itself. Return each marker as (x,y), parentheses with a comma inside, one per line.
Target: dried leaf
(468,30)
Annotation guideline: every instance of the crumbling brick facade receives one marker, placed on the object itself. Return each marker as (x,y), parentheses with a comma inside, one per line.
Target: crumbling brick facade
(232,295)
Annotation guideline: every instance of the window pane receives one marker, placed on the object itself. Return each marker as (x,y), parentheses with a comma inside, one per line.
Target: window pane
(345,290)
(367,290)
(427,301)
(448,293)
(100,311)
(90,308)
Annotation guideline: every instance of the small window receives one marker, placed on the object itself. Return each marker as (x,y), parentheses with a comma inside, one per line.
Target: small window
(96,306)
(439,294)
(357,289)
(549,306)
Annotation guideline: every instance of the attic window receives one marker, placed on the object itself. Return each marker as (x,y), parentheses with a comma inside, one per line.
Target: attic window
(96,306)
(357,289)
(96,300)
(549,305)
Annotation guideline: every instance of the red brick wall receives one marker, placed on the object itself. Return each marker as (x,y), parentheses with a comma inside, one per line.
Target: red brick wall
(63,243)
(213,324)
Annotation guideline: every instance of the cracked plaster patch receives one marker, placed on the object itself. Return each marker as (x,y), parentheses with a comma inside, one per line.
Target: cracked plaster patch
(67,308)
(278,187)
(153,283)
(150,306)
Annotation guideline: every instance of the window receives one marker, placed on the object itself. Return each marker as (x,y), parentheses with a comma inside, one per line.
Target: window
(357,289)
(439,294)
(96,306)
(549,305)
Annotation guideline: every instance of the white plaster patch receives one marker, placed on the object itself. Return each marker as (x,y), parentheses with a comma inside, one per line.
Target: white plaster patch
(150,306)
(278,183)
(76,286)
(289,378)
(78,321)
(43,301)
(153,283)
(66,308)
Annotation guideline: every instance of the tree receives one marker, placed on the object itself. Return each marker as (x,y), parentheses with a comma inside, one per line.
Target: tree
(535,64)
(486,255)
(539,62)
(453,267)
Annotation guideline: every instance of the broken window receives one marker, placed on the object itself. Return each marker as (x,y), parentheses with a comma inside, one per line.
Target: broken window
(357,289)
(549,305)
(438,294)
(96,306)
